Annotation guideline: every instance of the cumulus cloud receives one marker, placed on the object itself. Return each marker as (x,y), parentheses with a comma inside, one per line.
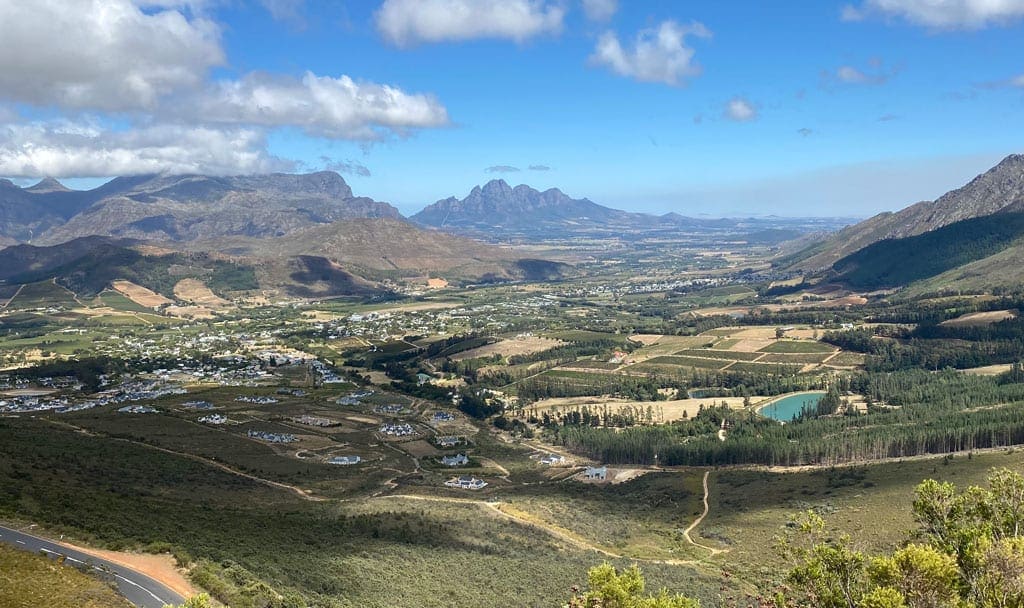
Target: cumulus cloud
(101,54)
(502,169)
(740,110)
(941,14)
(805,132)
(600,10)
(408,22)
(658,55)
(83,149)
(320,105)
(346,167)
(539,168)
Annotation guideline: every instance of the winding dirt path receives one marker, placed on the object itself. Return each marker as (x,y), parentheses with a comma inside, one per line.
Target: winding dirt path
(714,551)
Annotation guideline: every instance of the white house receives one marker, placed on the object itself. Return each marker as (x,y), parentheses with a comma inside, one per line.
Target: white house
(345,460)
(466,483)
(598,473)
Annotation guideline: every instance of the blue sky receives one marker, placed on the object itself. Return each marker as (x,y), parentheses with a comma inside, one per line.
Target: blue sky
(739,108)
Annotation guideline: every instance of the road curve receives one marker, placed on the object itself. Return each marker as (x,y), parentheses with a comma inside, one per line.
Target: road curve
(136,587)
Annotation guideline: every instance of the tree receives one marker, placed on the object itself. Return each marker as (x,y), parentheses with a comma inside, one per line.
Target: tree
(611,588)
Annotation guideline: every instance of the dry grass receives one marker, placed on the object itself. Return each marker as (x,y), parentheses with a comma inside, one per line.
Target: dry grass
(191,290)
(663,411)
(139,294)
(508,348)
(28,580)
(979,319)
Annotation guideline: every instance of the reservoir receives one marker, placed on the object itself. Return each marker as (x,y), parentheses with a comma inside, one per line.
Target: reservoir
(788,408)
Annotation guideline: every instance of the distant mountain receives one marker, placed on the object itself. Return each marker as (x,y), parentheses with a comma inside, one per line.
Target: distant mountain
(999,190)
(498,206)
(183,208)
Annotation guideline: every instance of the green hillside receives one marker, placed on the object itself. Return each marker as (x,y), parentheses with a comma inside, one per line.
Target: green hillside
(899,262)
(28,580)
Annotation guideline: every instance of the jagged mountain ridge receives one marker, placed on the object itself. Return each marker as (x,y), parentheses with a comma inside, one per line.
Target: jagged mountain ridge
(998,190)
(496,204)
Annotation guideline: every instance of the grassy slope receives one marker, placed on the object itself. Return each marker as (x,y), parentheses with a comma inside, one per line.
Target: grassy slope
(370,553)
(28,581)
(896,262)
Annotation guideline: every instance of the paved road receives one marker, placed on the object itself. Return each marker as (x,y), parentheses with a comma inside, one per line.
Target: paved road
(137,588)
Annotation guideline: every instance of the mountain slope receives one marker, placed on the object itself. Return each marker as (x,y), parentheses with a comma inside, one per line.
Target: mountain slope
(898,262)
(187,207)
(999,190)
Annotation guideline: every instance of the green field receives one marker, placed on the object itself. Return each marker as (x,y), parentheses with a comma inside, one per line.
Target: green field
(798,346)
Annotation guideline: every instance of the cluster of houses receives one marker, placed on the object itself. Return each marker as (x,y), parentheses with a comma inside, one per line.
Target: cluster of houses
(127,392)
(397,430)
(596,473)
(443,416)
(273,437)
(294,392)
(345,460)
(390,408)
(466,482)
(458,460)
(325,374)
(257,399)
(214,419)
(354,398)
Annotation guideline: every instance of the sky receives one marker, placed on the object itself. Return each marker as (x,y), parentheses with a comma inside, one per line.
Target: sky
(721,108)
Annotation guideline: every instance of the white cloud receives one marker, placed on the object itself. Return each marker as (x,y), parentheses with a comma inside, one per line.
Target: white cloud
(852,75)
(941,14)
(289,11)
(1017,81)
(101,54)
(407,22)
(740,110)
(658,55)
(83,149)
(600,10)
(322,106)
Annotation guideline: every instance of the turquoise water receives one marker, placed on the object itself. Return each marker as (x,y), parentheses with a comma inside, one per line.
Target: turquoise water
(788,408)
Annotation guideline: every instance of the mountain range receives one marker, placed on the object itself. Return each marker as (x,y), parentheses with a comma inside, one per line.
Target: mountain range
(297,235)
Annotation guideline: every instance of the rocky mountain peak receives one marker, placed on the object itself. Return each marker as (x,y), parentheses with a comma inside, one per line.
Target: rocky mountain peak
(48,184)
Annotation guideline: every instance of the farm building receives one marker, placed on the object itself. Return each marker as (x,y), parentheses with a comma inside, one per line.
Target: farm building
(598,473)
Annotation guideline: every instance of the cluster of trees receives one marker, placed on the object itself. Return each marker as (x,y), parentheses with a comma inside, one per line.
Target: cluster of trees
(890,353)
(630,387)
(968,552)
(624,416)
(936,414)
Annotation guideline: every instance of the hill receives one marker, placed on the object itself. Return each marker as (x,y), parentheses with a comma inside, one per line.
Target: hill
(999,190)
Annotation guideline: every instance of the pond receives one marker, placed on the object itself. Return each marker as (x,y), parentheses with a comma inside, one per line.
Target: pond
(788,408)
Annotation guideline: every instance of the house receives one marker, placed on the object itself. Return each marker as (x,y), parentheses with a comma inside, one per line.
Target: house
(197,405)
(273,437)
(552,459)
(137,409)
(466,483)
(459,460)
(442,416)
(345,460)
(598,473)
(214,419)
(447,441)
